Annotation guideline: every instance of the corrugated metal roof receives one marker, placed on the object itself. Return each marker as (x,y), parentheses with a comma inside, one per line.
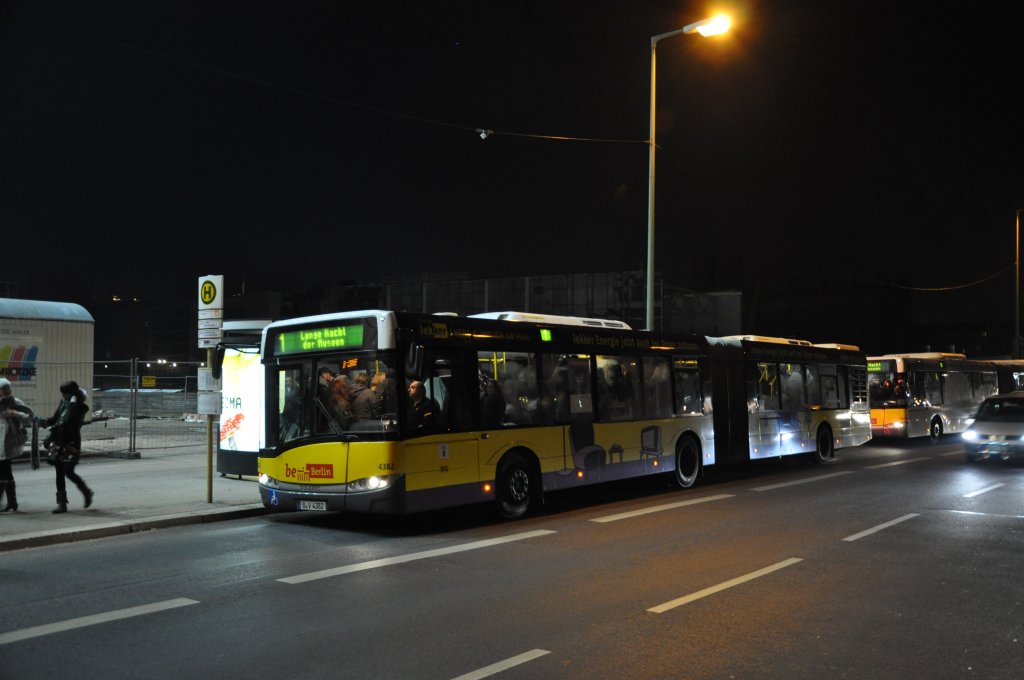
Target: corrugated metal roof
(43,309)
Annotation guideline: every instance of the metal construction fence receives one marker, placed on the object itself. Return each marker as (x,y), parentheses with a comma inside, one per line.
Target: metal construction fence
(134,404)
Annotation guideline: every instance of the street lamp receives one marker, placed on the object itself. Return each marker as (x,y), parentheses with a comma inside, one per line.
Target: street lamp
(705,27)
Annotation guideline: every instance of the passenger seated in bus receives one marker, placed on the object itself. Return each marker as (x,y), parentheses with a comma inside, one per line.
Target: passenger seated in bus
(492,406)
(365,403)
(423,410)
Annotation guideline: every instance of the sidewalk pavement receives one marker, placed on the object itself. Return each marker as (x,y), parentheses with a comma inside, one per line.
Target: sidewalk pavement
(162,488)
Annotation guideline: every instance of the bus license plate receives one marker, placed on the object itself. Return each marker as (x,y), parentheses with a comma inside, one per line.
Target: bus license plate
(312,505)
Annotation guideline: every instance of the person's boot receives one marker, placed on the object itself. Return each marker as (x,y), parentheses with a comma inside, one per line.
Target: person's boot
(87,492)
(62,503)
(12,497)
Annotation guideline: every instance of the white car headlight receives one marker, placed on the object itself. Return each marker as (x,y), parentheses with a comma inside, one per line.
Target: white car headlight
(970,436)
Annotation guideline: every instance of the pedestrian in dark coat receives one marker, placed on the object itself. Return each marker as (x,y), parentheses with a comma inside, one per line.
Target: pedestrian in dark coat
(64,443)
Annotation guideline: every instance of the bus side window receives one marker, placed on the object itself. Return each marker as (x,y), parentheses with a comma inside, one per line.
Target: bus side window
(813,386)
(958,389)
(688,400)
(764,387)
(567,393)
(842,373)
(657,387)
(928,386)
(455,381)
(829,386)
(512,397)
(793,396)
(618,388)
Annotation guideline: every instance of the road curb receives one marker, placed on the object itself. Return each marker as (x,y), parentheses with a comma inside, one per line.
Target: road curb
(73,535)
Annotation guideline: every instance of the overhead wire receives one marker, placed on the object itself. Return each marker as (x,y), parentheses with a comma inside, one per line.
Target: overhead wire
(949,288)
(484,133)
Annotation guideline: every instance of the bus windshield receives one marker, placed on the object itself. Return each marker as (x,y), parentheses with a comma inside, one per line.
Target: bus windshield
(353,394)
(888,389)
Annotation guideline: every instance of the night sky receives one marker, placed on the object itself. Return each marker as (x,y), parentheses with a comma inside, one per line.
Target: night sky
(299,143)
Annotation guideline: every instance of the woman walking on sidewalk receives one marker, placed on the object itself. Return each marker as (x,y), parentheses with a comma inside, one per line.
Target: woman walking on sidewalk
(65,441)
(14,416)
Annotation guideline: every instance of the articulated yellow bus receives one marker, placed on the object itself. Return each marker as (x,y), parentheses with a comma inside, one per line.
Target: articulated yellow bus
(391,412)
(926,394)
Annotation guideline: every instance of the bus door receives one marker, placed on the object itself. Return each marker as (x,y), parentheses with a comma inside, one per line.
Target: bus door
(445,451)
(763,406)
(729,403)
(926,400)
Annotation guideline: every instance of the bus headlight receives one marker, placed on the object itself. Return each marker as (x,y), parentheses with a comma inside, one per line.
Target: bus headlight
(268,481)
(375,483)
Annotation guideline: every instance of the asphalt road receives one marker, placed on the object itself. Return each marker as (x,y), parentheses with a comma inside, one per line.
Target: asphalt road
(890,562)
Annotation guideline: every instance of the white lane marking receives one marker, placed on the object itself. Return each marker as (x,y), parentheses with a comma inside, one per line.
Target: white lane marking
(401,559)
(83,621)
(985,514)
(950,453)
(872,530)
(659,508)
(894,463)
(985,490)
(686,599)
(807,480)
(503,665)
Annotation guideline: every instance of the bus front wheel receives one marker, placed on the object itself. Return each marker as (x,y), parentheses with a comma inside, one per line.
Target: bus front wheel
(935,430)
(687,463)
(823,449)
(514,486)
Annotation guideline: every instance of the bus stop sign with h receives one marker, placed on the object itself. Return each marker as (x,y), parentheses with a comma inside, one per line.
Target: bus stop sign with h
(210,332)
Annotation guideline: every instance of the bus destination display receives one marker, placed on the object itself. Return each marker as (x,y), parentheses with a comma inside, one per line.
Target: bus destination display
(316,339)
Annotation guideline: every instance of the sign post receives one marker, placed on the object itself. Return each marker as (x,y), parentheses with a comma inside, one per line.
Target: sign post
(210,333)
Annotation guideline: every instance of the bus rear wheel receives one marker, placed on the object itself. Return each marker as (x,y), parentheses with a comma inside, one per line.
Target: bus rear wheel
(823,449)
(687,463)
(514,487)
(935,430)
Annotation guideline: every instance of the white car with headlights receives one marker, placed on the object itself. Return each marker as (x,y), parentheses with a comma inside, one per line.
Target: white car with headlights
(998,429)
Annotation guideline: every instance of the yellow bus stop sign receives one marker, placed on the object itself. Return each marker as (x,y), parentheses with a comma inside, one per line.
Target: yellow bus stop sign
(209,292)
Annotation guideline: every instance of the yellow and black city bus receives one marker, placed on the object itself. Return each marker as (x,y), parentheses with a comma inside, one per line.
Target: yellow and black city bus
(392,412)
(926,394)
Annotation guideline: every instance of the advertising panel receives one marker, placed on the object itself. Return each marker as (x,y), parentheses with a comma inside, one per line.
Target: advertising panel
(242,408)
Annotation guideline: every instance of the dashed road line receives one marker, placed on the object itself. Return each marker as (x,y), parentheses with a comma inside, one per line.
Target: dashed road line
(985,490)
(92,620)
(661,508)
(686,599)
(512,662)
(894,463)
(872,530)
(806,480)
(412,557)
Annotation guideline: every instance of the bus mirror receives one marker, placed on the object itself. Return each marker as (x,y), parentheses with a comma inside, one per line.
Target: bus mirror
(414,361)
(217,363)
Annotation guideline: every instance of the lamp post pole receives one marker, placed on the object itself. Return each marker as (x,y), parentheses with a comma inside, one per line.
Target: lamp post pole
(1016,290)
(705,27)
